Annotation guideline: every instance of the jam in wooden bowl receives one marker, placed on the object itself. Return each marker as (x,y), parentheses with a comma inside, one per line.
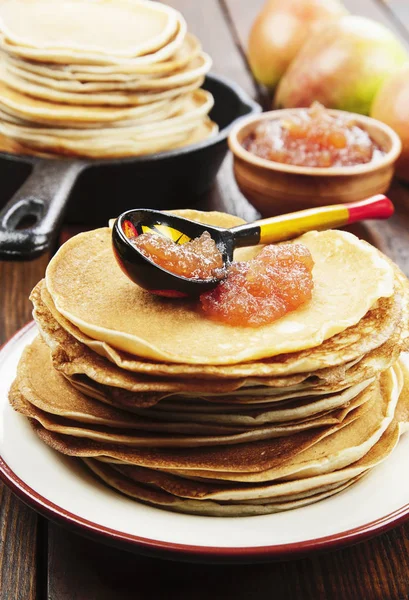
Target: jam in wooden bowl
(292,159)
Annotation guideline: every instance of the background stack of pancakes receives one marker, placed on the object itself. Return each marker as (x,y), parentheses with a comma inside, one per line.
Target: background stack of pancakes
(181,412)
(100,79)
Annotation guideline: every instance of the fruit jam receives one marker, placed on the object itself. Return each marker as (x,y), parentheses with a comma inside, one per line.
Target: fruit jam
(313,137)
(196,259)
(260,291)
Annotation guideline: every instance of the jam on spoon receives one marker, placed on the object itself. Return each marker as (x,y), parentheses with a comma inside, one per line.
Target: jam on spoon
(196,259)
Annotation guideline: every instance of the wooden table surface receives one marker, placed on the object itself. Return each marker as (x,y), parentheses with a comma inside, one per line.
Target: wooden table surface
(39,560)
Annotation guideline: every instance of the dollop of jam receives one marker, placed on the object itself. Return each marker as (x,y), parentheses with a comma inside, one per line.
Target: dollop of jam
(197,259)
(260,291)
(313,137)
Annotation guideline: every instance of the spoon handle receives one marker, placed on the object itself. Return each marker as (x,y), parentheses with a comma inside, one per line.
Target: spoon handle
(291,225)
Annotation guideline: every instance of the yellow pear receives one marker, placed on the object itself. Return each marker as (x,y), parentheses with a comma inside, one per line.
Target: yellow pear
(280,30)
(342,66)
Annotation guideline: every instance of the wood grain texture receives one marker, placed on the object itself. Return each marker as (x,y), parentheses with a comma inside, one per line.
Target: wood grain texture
(398,11)
(379,12)
(242,14)
(18,549)
(207,21)
(86,570)
(17,279)
(392,236)
(19,552)
(227,197)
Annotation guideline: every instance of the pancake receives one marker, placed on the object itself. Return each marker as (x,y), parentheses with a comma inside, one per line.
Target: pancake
(177,332)
(59,399)
(274,458)
(236,492)
(250,455)
(97,377)
(225,421)
(148,486)
(241,416)
(42,394)
(198,67)
(114,98)
(297,500)
(41,111)
(192,108)
(192,403)
(150,438)
(120,98)
(44,387)
(162,110)
(178,118)
(205,130)
(14,147)
(188,50)
(336,451)
(189,409)
(69,90)
(233,493)
(161,499)
(120,29)
(374,329)
(189,133)
(139,137)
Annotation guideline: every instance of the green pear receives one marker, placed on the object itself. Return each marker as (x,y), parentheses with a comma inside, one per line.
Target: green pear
(280,30)
(342,66)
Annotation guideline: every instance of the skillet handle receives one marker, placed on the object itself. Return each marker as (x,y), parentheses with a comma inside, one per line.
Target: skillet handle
(41,198)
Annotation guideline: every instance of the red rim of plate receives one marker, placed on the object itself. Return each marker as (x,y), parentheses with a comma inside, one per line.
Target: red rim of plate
(183,551)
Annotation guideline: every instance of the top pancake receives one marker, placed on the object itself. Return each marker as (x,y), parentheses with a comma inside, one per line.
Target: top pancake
(89,289)
(377,327)
(120,28)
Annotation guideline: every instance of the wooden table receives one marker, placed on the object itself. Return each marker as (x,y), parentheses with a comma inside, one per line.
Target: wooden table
(39,560)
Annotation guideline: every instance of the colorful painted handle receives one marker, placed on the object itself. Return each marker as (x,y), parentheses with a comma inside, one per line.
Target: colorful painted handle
(285,227)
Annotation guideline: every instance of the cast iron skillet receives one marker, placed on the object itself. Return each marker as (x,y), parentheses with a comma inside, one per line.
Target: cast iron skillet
(100,189)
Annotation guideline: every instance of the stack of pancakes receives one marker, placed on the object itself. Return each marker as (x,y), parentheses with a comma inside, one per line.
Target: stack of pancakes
(197,416)
(101,79)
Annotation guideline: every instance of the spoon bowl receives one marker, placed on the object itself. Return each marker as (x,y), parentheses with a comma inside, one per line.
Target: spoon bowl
(154,278)
(144,271)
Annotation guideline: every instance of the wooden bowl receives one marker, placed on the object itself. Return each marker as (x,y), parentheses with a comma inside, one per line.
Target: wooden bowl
(276,188)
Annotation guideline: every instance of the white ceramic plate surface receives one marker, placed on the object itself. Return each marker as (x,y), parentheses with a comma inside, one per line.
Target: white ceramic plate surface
(64,491)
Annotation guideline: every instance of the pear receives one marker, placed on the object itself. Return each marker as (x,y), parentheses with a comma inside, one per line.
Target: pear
(342,66)
(391,105)
(279,31)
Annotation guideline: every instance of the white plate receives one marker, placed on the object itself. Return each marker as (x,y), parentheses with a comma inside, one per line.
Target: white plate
(64,491)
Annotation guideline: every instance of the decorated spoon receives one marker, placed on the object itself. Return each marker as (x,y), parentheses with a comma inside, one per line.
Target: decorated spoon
(149,275)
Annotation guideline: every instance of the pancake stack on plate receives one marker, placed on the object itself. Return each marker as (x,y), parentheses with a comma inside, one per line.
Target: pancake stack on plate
(197,416)
(100,79)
